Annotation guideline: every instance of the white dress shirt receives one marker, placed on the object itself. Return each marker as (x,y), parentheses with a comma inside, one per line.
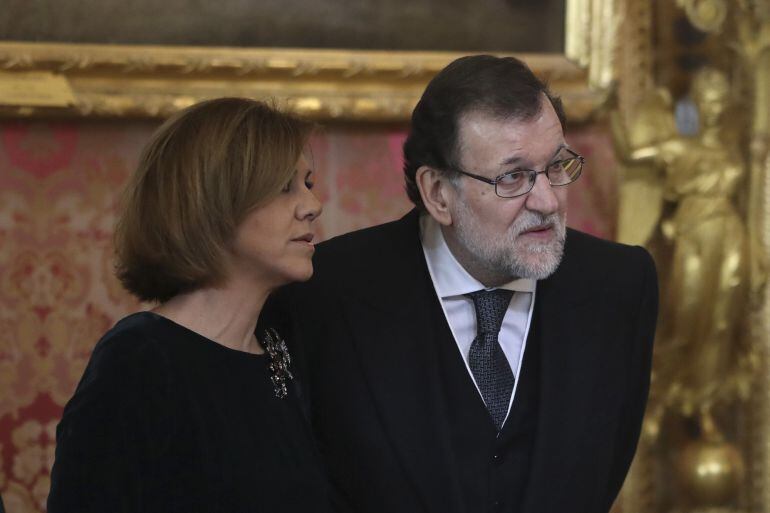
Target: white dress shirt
(451,282)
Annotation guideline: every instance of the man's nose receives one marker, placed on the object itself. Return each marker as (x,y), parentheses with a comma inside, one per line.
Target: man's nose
(542,197)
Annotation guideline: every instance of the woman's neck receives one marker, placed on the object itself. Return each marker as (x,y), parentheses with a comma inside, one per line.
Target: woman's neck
(227,315)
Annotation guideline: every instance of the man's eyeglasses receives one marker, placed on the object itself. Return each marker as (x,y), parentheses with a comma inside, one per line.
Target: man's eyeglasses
(520,181)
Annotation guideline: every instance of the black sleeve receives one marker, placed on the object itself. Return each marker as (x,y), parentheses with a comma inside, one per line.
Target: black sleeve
(629,428)
(110,440)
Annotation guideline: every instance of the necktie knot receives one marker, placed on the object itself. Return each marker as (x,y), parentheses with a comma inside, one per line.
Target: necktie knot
(490,306)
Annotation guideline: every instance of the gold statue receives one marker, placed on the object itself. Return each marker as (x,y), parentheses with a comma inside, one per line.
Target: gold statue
(679,198)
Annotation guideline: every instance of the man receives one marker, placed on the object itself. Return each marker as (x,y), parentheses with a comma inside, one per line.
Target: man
(477,355)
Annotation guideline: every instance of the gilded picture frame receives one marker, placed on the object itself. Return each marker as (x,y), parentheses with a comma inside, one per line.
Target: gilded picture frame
(120,81)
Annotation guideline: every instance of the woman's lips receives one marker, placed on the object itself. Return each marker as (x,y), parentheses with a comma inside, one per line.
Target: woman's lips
(306,239)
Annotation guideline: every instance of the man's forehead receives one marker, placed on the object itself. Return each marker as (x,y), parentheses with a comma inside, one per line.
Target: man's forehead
(480,125)
(473,117)
(509,135)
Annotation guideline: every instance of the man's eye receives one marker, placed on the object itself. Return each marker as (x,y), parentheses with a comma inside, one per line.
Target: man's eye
(562,166)
(512,178)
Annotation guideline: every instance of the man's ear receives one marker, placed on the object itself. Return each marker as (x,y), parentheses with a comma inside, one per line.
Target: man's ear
(436,191)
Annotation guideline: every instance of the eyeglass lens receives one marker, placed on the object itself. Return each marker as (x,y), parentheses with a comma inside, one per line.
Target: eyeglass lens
(520,182)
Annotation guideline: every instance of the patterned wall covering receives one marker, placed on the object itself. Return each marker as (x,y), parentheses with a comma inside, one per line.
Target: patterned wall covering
(59,183)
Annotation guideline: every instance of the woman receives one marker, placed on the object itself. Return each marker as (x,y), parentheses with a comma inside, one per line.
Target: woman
(182,408)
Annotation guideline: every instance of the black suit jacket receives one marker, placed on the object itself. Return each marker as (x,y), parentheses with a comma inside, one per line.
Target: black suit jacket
(359,328)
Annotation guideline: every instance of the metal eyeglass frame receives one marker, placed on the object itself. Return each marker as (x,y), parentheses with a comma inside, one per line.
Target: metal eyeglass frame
(532,172)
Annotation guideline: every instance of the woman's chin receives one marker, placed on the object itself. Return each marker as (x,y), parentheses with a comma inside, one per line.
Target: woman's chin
(303,274)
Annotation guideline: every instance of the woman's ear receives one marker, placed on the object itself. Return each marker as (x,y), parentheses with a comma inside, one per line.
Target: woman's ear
(436,192)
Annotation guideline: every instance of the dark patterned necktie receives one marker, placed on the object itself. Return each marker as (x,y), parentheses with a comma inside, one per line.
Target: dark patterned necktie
(486,359)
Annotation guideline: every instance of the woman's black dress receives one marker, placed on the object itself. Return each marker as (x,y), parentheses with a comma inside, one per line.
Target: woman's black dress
(165,420)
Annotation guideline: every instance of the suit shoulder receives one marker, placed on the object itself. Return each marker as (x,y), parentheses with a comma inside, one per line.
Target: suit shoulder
(618,279)
(375,254)
(586,248)
(363,240)
(598,261)
(357,253)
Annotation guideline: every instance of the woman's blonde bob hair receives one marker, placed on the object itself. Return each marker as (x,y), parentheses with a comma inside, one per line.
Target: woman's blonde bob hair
(201,173)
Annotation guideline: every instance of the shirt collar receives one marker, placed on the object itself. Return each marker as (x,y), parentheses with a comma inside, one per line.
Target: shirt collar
(449,277)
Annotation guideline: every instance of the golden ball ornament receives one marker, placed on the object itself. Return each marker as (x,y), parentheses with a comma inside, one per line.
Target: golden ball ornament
(711,472)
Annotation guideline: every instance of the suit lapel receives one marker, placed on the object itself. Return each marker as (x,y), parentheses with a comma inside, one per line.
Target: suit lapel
(394,342)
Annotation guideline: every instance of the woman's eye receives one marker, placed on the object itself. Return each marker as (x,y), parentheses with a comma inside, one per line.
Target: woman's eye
(309,182)
(287,187)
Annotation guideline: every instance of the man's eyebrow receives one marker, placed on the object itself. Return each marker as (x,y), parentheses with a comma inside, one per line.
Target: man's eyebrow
(511,160)
(516,159)
(558,150)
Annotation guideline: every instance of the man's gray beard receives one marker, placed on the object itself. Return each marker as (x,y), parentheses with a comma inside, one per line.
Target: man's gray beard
(506,257)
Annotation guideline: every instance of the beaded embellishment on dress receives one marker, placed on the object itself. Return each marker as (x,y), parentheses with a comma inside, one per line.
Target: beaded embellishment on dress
(280,362)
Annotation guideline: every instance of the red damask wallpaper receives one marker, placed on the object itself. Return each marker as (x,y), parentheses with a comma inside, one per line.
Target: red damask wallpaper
(59,184)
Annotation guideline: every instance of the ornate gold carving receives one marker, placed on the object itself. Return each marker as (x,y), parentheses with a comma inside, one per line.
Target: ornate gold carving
(707,15)
(591,38)
(716,369)
(322,84)
(38,88)
(154,81)
(635,59)
(634,76)
(710,470)
(748,35)
(699,359)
